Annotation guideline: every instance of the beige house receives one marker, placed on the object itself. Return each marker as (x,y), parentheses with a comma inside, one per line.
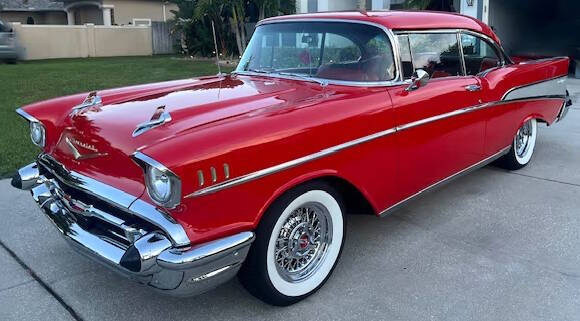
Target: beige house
(118,12)
(80,12)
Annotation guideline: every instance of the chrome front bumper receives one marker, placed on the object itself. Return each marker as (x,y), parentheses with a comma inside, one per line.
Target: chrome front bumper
(137,241)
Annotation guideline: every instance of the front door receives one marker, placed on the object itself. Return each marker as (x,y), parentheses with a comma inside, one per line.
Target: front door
(440,129)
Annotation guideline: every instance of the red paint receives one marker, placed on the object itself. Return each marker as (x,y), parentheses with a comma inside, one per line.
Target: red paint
(252,123)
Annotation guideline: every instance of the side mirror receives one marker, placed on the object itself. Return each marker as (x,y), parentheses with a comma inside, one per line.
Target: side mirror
(420,78)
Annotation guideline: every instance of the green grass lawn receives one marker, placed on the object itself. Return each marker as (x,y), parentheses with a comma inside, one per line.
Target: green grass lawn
(32,81)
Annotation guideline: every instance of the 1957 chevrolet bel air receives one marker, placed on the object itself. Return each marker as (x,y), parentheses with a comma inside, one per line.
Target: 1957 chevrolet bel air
(182,185)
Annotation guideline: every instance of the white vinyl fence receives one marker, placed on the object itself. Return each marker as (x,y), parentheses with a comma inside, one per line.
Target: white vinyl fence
(63,41)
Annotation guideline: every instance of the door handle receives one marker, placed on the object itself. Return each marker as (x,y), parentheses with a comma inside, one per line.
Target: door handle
(473,87)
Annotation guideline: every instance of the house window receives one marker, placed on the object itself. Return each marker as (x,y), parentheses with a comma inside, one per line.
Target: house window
(141,21)
(312,5)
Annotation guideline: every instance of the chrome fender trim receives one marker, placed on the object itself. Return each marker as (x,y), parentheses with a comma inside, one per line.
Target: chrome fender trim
(334,149)
(446,180)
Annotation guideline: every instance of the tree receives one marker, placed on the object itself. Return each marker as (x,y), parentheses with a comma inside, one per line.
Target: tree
(230,17)
(238,23)
(195,36)
(269,8)
(417,4)
(214,10)
(438,5)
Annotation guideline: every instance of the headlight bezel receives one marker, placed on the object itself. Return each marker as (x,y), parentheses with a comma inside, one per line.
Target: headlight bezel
(34,122)
(36,125)
(149,166)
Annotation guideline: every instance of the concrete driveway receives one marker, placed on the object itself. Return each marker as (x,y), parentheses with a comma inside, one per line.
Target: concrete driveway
(493,245)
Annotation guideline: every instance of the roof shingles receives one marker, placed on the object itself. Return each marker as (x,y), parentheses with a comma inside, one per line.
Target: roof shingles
(30,5)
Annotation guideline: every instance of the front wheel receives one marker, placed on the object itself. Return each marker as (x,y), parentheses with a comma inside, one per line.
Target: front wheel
(298,243)
(522,148)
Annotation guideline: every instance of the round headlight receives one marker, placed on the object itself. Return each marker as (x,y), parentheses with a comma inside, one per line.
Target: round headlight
(159,185)
(37,133)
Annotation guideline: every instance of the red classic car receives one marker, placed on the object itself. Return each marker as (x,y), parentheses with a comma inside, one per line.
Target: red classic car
(182,185)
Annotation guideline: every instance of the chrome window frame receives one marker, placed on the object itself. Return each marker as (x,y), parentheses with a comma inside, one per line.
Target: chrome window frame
(505,60)
(498,50)
(397,79)
(427,31)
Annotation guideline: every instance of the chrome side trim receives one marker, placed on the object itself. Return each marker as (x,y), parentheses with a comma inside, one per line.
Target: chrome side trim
(444,181)
(26,115)
(277,168)
(117,198)
(443,116)
(549,87)
(331,150)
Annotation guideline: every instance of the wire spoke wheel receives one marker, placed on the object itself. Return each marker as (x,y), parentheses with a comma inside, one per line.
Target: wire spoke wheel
(298,244)
(523,139)
(303,242)
(524,143)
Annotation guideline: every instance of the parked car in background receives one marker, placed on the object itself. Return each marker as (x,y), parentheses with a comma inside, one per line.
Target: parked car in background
(183,184)
(9,49)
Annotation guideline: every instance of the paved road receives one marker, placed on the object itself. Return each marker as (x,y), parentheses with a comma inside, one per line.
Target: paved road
(493,245)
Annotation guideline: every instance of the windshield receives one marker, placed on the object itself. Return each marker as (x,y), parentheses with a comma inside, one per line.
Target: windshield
(326,50)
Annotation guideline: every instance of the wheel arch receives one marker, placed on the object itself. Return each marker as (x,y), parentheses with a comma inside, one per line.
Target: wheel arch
(537,116)
(356,201)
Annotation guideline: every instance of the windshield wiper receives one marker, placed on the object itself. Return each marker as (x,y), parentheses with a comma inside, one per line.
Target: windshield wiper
(251,70)
(322,82)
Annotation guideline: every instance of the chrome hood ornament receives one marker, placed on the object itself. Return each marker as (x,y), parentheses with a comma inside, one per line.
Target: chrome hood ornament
(159,118)
(92,100)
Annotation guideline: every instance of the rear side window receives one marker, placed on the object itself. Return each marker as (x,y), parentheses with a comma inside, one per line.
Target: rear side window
(479,54)
(436,53)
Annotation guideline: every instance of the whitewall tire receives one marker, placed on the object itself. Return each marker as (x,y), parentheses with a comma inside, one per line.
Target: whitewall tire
(298,244)
(522,149)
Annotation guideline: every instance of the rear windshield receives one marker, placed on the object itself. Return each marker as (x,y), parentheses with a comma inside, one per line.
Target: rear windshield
(325,50)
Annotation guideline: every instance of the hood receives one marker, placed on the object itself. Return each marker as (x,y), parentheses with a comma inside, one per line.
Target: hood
(99,140)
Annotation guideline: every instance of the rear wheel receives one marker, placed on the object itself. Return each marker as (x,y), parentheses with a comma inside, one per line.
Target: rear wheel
(522,148)
(298,243)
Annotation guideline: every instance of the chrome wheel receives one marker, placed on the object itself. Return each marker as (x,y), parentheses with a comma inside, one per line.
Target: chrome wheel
(303,241)
(523,139)
(298,243)
(524,142)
